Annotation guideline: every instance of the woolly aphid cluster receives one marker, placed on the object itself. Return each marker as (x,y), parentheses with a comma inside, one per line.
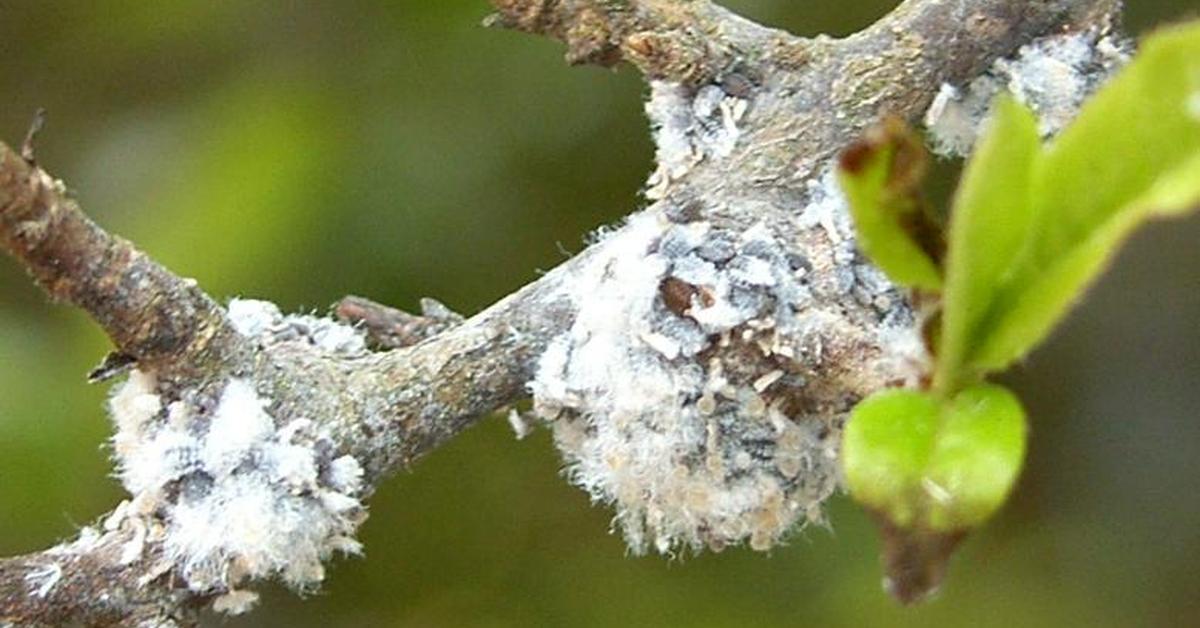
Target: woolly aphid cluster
(230,491)
(1052,76)
(701,387)
(689,127)
(698,389)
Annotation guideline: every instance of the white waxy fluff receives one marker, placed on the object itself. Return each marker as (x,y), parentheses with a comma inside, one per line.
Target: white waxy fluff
(232,492)
(1053,76)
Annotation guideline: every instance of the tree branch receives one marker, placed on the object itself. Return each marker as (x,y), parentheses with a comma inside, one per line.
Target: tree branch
(693,41)
(163,321)
(739,287)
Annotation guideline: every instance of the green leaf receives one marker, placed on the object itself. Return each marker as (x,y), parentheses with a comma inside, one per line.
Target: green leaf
(976,458)
(932,464)
(880,176)
(886,449)
(1133,153)
(990,221)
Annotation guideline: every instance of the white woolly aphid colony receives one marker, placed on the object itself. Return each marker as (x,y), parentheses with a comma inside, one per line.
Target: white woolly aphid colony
(700,389)
(1052,76)
(232,492)
(685,392)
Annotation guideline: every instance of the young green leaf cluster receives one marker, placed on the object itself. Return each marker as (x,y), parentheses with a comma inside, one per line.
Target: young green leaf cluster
(1031,228)
(960,454)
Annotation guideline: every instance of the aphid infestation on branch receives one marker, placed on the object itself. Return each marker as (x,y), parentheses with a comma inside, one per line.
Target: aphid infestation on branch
(696,363)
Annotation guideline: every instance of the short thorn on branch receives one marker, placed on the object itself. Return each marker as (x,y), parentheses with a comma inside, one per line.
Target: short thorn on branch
(35,127)
(389,328)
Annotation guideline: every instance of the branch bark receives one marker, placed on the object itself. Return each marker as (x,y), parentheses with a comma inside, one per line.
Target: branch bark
(161,320)
(787,105)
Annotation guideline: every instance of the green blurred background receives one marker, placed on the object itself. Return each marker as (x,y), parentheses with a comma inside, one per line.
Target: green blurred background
(300,151)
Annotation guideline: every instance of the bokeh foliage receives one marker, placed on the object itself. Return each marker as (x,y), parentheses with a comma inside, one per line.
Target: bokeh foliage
(299,152)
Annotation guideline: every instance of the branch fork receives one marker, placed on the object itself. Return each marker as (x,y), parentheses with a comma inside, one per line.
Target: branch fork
(738,292)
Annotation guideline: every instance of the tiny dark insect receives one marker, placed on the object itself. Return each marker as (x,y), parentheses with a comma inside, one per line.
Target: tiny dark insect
(677,295)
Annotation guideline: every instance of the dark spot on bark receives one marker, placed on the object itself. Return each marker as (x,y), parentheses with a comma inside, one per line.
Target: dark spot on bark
(677,295)
(797,262)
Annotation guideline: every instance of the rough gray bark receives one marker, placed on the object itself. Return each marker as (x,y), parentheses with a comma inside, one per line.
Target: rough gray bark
(792,104)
